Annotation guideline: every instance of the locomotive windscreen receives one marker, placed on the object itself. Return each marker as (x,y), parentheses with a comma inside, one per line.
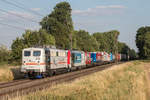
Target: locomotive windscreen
(27,53)
(36,53)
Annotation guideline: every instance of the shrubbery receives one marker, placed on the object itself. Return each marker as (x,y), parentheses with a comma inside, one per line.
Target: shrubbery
(4,54)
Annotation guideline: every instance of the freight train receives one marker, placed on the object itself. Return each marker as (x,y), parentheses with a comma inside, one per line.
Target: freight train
(43,62)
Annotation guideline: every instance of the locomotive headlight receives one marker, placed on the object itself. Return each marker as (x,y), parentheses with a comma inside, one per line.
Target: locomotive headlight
(24,62)
(38,61)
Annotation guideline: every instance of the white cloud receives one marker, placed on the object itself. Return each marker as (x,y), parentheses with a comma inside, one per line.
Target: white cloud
(111,6)
(100,10)
(36,9)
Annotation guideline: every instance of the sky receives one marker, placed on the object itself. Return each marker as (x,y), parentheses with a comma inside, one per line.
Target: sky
(126,16)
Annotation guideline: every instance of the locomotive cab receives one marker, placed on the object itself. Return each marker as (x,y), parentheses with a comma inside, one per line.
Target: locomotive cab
(33,62)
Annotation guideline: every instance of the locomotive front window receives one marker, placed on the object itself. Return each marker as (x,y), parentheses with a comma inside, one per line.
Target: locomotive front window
(36,53)
(27,53)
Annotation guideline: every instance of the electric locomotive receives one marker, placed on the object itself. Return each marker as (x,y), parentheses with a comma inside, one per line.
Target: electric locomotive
(42,62)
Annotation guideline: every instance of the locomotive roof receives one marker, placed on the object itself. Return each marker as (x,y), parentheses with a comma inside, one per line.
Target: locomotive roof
(43,49)
(55,49)
(75,51)
(33,49)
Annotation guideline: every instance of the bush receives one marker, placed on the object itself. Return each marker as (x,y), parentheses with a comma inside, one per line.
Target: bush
(4,54)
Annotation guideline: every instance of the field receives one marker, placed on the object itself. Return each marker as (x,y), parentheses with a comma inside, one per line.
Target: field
(9,73)
(127,81)
(5,73)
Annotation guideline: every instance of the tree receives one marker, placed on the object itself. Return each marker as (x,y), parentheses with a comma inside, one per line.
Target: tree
(59,24)
(123,48)
(38,38)
(107,41)
(101,41)
(85,42)
(17,47)
(30,39)
(4,54)
(132,54)
(112,40)
(143,42)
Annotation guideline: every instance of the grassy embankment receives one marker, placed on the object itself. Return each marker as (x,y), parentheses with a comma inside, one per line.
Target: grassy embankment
(5,73)
(9,73)
(123,82)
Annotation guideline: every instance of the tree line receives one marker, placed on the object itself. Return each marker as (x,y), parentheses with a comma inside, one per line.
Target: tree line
(143,42)
(57,29)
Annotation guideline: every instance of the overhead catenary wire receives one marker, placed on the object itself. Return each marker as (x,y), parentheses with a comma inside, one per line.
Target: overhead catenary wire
(15,21)
(3,18)
(29,19)
(16,5)
(25,6)
(12,26)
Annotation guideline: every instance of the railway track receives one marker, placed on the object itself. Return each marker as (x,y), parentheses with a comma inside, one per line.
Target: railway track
(13,83)
(22,87)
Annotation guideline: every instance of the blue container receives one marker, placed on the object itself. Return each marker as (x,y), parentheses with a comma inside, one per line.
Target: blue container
(93,57)
(76,57)
(111,57)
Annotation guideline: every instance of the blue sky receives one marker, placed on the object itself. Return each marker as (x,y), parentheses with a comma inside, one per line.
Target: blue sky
(125,16)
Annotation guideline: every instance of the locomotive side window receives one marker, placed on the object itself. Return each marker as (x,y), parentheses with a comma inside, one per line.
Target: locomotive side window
(62,54)
(27,53)
(36,53)
(53,53)
(57,53)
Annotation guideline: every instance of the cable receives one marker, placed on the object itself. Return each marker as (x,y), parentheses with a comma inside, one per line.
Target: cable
(22,7)
(2,10)
(15,21)
(25,6)
(17,27)
(3,18)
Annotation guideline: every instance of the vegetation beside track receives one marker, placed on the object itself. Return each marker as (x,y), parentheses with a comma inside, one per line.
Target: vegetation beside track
(9,73)
(122,82)
(5,74)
